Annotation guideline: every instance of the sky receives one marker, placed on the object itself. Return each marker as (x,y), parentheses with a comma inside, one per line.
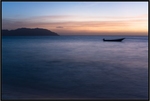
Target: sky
(78,18)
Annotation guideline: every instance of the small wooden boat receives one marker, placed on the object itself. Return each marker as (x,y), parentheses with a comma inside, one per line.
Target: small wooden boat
(114,40)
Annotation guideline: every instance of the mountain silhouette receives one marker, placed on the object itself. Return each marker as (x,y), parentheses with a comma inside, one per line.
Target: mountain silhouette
(28,32)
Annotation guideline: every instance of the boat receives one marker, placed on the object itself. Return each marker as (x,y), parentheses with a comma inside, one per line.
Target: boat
(114,40)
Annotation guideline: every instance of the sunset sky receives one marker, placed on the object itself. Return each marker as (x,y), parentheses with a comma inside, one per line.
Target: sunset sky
(78,18)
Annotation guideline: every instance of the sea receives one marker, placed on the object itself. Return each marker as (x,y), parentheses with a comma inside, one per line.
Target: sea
(74,67)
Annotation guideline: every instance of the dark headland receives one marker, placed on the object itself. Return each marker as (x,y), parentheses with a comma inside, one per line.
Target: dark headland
(28,32)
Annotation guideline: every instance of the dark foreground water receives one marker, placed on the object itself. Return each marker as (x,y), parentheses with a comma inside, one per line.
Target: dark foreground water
(74,67)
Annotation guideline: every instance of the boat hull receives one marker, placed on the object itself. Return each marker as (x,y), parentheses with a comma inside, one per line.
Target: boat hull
(114,40)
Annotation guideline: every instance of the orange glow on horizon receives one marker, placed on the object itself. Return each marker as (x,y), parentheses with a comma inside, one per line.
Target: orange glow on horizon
(129,26)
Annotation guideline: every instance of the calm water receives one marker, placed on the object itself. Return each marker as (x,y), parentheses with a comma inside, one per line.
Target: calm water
(74,67)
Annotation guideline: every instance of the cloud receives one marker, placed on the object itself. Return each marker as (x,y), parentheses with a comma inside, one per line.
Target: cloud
(74,18)
(59,27)
(53,18)
(13,23)
(120,24)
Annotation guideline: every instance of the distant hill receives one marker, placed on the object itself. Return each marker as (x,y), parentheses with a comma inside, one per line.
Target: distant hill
(28,32)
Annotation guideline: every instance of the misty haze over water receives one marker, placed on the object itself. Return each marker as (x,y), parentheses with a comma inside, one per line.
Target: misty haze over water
(74,67)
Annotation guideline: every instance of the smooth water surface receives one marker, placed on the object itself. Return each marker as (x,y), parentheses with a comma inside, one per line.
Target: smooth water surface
(74,67)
